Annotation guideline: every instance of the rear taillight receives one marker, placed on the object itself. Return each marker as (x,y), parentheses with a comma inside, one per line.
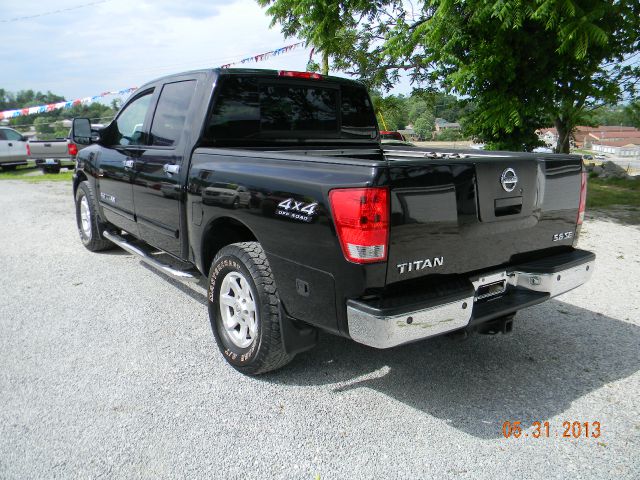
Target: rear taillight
(583,198)
(73,149)
(28,150)
(361,216)
(311,75)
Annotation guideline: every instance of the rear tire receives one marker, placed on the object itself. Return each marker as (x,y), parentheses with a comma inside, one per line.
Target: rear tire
(244,309)
(90,227)
(51,169)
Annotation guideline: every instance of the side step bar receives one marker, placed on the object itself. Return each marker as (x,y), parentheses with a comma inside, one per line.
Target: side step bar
(184,275)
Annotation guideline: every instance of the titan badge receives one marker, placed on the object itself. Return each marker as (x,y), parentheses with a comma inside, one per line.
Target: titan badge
(420,265)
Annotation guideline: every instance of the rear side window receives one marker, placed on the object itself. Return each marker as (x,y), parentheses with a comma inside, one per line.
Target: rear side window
(251,109)
(171,112)
(356,109)
(2,135)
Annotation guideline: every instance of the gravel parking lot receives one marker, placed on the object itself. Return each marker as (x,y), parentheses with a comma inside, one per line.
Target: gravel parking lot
(109,369)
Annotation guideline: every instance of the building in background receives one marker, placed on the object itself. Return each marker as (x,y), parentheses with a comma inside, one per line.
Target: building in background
(615,140)
(442,124)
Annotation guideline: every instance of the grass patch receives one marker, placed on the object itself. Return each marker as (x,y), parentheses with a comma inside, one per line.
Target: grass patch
(30,174)
(602,193)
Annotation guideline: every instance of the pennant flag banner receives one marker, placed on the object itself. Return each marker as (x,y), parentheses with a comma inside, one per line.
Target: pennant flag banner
(264,56)
(65,104)
(87,100)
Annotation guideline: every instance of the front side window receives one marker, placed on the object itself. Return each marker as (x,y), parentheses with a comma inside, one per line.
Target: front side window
(171,112)
(129,124)
(13,135)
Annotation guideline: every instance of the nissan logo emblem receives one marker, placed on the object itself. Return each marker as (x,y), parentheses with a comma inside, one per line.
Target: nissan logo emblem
(509,180)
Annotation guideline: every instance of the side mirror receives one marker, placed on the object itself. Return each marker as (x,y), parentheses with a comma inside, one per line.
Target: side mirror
(81,131)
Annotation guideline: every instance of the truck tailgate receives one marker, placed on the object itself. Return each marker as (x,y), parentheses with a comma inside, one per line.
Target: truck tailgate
(459,215)
(49,149)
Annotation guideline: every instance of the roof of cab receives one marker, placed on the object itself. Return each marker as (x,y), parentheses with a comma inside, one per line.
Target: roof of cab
(247,71)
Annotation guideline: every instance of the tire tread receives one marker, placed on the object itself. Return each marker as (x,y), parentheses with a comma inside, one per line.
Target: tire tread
(98,243)
(271,355)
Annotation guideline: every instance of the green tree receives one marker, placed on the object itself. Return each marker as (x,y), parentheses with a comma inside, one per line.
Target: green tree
(633,112)
(391,111)
(523,63)
(43,128)
(322,23)
(424,125)
(449,135)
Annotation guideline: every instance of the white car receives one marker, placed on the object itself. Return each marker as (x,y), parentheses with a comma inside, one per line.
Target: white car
(227,194)
(13,149)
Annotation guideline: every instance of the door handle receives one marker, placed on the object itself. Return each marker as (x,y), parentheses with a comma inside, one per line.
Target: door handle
(128,163)
(10,144)
(170,169)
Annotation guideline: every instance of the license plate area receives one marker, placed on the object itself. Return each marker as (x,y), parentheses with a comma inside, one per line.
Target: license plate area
(491,285)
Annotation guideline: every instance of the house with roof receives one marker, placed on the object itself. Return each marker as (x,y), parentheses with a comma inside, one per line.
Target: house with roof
(441,124)
(605,138)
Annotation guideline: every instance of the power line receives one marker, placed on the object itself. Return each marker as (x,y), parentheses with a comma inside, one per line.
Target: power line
(53,12)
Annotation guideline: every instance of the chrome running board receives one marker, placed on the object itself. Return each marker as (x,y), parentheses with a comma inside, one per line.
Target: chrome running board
(184,275)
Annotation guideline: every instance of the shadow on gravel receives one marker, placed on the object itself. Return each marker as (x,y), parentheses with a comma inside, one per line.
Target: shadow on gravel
(557,354)
(475,385)
(621,214)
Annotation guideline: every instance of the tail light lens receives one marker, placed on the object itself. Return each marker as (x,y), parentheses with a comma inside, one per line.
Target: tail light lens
(361,216)
(28,150)
(73,149)
(583,199)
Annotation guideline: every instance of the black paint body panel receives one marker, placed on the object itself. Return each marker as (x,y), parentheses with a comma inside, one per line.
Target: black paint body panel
(449,208)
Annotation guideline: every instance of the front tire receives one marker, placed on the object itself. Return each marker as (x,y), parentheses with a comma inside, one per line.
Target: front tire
(90,227)
(244,309)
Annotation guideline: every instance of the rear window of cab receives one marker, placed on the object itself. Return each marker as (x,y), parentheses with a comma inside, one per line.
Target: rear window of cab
(253,108)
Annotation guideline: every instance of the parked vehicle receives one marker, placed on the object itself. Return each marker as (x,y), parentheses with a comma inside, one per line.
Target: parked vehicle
(51,155)
(382,244)
(229,194)
(13,149)
(389,135)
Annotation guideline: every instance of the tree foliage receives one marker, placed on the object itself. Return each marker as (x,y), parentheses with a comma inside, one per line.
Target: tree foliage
(397,112)
(523,63)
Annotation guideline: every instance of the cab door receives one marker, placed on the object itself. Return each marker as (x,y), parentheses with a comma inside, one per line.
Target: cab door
(122,145)
(16,146)
(4,146)
(158,191)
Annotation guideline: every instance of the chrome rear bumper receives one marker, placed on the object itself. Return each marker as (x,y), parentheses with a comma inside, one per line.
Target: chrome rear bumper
(524,285)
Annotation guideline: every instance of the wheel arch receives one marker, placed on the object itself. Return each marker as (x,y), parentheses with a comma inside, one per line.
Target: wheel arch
(219,233)
(79,176)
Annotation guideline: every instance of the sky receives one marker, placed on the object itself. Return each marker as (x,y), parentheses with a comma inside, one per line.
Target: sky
(100,45)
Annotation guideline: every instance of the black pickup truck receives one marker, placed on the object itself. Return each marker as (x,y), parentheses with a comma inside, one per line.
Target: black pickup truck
(276,186)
